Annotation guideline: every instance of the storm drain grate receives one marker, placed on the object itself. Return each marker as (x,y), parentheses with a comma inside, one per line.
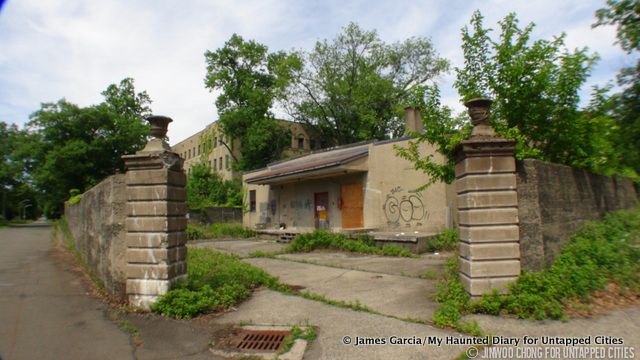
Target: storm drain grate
(260,340)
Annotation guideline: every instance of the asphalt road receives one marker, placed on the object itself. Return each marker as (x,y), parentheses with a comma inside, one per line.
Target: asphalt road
(45,312)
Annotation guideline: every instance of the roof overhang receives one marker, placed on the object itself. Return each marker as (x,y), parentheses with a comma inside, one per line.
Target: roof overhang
(335,166)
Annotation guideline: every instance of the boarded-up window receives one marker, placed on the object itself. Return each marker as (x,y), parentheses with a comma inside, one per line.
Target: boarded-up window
(252,200)
(215,164)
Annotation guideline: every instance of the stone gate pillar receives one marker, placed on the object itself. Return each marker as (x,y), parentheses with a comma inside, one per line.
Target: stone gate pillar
(156,223)
(487,206)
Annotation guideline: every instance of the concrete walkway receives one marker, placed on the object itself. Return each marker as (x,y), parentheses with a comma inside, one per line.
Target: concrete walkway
(388,286)
(268,307)
(48,312)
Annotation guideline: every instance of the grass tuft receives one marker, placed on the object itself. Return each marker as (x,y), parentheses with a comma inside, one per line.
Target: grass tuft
(220,230)
(320,239)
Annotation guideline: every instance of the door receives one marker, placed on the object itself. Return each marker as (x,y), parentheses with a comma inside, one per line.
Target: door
(321,210)
(352,199)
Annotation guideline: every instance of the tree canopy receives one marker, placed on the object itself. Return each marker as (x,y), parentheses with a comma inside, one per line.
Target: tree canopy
(250,79)
(623,108)
(625,15)
(205,188)
(73,147)
(355,87)
(535,85)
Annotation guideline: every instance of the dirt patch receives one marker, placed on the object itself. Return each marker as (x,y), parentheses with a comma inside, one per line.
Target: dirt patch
(610,298)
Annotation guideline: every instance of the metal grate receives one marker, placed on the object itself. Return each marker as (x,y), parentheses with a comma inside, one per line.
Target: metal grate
(260,340)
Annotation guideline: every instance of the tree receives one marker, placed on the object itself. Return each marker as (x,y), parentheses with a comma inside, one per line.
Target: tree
(625,14)
(441,129)
(355,87)
(15,190)
(72,147)
(535,86)
(624,107)
(209,189)
(250,79)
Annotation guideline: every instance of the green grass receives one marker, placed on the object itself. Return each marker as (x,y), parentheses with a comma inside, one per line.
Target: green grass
(320,239)
(308,334)
(221,230)
(215,281)
(447,240)
(263,254)
(601,252)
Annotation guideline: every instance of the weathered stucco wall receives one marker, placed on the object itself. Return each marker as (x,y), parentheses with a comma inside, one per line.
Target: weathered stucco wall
(554,200)
(391,200)
(97,224)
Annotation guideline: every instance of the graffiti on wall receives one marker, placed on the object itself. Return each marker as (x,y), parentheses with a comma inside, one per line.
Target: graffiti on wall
(404,208)
(267,210)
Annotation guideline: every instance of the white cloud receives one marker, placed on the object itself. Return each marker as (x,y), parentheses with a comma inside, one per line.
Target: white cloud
(76,48)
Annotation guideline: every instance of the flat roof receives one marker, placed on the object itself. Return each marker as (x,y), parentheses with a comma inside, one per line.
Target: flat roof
(311,162)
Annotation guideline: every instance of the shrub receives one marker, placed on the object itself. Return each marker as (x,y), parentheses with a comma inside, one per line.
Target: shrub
(599,253)
(215,281)
(447,240)
(194,232)
(74,196)
(321,239)
(185,303)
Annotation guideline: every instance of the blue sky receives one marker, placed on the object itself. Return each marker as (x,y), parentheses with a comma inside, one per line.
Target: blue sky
(75,48)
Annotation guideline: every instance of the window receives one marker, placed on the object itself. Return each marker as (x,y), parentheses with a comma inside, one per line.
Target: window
(301,143)
(312,144)
(215,164)
(220,163)
(194,151)
(198,149)
(226,160)
(252,200)
(189,154)
(215,141)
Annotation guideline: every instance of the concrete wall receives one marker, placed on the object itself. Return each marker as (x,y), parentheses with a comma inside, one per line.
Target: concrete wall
(97,224)
(390,200)
(554,200)
(293,204)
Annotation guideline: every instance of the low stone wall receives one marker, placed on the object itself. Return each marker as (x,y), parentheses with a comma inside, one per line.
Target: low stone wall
(97,224)
(554,200)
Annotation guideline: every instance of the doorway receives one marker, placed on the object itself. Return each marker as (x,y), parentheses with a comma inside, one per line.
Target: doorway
(321,210)
(352,199)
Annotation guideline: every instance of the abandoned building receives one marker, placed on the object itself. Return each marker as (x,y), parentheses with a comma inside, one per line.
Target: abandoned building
(224,151)
(358,187)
